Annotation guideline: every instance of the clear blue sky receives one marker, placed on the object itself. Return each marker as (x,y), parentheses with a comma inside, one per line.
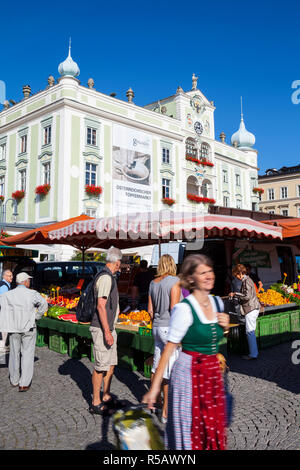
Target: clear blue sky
(235,47)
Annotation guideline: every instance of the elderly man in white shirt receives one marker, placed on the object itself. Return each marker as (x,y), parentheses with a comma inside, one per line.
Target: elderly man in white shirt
(19,310)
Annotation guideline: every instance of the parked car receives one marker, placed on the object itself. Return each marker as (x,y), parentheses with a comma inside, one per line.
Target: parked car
(59,273)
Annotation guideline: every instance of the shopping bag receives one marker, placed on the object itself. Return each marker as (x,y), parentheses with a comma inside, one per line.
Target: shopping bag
(135,429)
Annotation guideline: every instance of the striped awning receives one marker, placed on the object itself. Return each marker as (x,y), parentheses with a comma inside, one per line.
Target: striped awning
(137,229)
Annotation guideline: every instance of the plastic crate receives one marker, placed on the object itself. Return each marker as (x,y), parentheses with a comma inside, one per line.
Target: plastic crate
(41,337)
(295,324)
(58,342)
(73,347)
(148,362)
(285,327)
(269,331)
(144,331)
(126,358)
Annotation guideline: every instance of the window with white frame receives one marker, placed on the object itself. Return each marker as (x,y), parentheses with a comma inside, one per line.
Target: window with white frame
(91,136)
(190,147)
(2,151)
(238,204)
(165,155)
(238,179)
(271,194)
(298,210)
(298,190)
(284,192)
(192,185)
(47,135)
(225,201)
(46,172)
(254,206)
(166,187)
(253,183)
(285,212)
(23,144)
(205,151)
(22,180)
(91,174)
(91,212)
(2,185)
(225,176)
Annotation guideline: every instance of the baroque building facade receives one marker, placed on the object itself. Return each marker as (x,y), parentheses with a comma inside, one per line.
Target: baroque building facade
(162,155)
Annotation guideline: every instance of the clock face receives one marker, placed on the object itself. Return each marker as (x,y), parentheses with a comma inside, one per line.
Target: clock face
(198,127)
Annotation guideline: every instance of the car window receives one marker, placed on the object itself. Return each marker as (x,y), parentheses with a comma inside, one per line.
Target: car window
(78,270)
(52,274)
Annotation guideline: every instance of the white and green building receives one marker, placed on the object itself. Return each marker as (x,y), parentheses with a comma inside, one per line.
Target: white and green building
(70,135)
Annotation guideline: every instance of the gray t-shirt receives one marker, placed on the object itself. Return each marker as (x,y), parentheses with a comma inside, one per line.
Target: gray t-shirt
(160,293)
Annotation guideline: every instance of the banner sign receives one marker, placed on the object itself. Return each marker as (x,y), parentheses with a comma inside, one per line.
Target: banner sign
(257,259)
(131,170)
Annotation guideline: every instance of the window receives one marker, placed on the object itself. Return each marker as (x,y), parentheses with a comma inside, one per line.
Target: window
(22,180)
(47,135)
(91,212)
(253,183)
(165,155)
(271,194)
(23,144)
(2,151)
(238,204)
(192,186)
(46,171)
(2,185)
(298,190)
(91,174)
(238,179)
(271,212)
(284,192)
(190,148)
(91,136)
(285,212)
(166,183)
(225,201)
(205,151)
(254,206)
(225,176)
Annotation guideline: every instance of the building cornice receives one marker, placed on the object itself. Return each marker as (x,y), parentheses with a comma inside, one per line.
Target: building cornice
(227,159)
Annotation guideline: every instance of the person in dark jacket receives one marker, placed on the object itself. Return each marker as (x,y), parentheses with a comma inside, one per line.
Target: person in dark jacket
(250,307)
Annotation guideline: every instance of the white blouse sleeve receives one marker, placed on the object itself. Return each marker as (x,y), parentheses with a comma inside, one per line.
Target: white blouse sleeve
(180,321)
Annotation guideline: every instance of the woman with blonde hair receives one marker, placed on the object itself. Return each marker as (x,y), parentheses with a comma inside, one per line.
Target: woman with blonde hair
(164,293)
(197,407)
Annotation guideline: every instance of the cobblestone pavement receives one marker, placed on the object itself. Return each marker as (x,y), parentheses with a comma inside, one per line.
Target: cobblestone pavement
(53,414)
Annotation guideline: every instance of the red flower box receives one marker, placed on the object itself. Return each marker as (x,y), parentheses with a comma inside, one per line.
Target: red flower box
(93,190)
(43,190)
(198,161)
(18,195)
(258,190)
(198,199)
(1,198)
(168,200)
(206,163)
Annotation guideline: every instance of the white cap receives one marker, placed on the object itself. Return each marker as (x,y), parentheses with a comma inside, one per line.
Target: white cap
(21,277)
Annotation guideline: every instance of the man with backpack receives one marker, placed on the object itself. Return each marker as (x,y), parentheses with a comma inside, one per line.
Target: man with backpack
(103,332)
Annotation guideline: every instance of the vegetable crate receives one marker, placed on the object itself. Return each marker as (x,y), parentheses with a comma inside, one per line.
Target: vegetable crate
(295,324)
(144,331)
(148,362)
(58,342)
(125,358)
(73,347)
(269,331)
(42,337)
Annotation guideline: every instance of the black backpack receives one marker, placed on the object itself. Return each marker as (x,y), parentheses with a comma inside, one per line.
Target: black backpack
(87,304)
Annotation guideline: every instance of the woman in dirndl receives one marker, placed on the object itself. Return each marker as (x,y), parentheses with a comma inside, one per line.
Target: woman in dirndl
(196,407)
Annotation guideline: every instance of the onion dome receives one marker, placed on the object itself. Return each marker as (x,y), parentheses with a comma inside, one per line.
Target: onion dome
(69,68)
(243,139)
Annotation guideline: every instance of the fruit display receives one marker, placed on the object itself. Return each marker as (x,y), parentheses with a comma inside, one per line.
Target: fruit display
(271,297)
(56,311)
(135,317)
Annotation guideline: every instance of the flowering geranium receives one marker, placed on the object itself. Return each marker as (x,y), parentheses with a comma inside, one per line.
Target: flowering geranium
(3,234)
(1,198)
(168,200)
(206,163)
(18,195)
(258,190)
(198,199)
(93,190)
(43,189)
(192,159)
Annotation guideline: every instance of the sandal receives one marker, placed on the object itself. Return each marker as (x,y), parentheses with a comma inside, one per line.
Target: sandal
(101,409)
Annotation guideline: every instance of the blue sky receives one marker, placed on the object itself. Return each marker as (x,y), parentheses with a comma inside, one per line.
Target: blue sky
(235,47)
